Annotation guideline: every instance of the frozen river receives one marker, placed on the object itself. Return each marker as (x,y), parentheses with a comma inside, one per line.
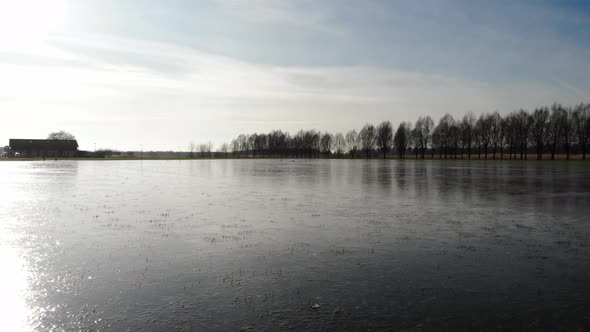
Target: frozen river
(316,245)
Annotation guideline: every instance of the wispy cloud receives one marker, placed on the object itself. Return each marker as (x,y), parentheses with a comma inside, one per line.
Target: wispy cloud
(300,13)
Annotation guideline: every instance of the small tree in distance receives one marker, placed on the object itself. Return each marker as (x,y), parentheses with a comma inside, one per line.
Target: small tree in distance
(61,135)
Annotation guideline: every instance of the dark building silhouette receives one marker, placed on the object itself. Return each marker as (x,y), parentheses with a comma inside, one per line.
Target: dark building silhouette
(31,148)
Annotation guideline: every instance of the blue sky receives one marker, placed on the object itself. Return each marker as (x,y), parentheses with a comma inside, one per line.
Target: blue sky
(163,73)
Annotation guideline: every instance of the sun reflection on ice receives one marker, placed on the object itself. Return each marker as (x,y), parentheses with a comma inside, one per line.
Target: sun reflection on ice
(15,312)
(14,288)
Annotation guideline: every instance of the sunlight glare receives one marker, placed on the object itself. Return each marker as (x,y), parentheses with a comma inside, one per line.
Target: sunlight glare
(15,313)
(13,287)
(30,20)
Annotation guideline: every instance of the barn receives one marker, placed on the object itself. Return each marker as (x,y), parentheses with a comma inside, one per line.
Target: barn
(36,148)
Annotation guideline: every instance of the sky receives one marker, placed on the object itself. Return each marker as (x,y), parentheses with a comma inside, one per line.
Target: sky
(159,74)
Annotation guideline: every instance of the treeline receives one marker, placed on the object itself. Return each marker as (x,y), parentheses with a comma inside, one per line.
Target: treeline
(544,131)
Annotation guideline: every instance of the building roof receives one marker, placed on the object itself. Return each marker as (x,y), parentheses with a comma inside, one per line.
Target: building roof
(43,144)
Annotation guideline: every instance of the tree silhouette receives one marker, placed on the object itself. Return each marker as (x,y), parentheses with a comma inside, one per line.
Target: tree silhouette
(223,149)
(384,137)
(367,137)
(423,133)
(402,139)
(339,144)
(61,135)
(352,142)
(468,132)
(556,129)
(496,133)
(326,144)
(539,130)
(581,123)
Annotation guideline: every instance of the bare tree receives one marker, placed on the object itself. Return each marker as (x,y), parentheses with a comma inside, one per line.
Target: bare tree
(445,133)
(581,123)
(510,129)
(243,144)
(454,139)
(326,144)
(352,142)
(468,132)
(524,124)
(367,137)
(437,142)
(203,148)
(567,131)
(384,137)
(483,132)
(235,147)
(496,134)
(410,135)
(423,133)
(252,143)
(427,127)
(339,144)
(539,129)
(586,128)
(555,127)
(192,147)
(224,149)
(61,135)
(416,139)
(209,148)
(402,139)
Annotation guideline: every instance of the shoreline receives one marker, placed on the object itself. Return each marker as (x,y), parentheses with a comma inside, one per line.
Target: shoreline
(575,158)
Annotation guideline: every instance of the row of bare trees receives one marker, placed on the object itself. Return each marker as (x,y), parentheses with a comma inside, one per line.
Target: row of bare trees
(551,130)
(544,131)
